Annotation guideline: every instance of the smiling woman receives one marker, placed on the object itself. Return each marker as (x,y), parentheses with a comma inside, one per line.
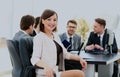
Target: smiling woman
(10,16)
(53,63)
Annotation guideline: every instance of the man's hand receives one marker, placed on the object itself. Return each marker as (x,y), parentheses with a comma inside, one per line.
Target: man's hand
(98,47)
(90,47)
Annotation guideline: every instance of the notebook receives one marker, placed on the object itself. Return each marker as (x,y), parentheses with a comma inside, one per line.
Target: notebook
(66,44)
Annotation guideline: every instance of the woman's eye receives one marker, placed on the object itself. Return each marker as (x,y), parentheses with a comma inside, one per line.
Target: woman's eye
(48,19)
(55,20)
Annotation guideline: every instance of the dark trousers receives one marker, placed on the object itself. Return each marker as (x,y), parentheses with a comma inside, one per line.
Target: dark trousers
(71,64)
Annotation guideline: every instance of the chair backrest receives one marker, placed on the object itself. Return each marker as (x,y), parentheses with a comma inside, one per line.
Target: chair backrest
(15,59)
(21,64)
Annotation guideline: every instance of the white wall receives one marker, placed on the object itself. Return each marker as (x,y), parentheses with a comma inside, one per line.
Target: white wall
(13,10)
(5,18)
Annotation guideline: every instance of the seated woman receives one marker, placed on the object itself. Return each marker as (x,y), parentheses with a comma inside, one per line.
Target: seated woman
(49,52)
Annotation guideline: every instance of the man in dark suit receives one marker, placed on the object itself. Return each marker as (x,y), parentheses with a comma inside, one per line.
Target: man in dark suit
(75,43)
(26,26)
(102,39)
(24,41)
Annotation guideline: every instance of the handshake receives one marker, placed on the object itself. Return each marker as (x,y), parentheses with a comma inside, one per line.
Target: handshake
(92,47)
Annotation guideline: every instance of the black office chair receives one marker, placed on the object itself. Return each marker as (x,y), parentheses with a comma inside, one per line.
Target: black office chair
(19,70)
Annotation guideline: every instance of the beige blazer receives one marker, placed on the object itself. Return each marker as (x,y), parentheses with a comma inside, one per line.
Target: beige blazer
(44,49)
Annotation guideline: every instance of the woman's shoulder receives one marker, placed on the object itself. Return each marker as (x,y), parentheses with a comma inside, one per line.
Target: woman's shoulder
(40,35)
(55,34)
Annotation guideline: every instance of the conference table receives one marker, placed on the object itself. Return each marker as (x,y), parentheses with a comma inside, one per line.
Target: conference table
(104,61)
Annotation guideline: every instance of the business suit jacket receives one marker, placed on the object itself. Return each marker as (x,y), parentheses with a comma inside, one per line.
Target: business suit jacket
(76,41)
(70,64)
(93,39)
(26,49)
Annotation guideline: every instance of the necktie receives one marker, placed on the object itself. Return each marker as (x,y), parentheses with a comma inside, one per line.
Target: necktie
(70,40)
(100,43)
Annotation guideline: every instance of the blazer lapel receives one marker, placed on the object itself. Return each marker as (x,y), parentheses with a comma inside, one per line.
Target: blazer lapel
(74,42)
(64,37)
(105,38)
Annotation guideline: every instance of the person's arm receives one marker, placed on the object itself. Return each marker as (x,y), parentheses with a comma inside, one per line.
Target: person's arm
(89,44)
(90,39)
(23,52)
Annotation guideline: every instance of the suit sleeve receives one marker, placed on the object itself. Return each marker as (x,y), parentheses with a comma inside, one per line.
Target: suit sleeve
(24,55)
(89,41)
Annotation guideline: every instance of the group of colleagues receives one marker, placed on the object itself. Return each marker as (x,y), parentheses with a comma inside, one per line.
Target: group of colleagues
(46,48)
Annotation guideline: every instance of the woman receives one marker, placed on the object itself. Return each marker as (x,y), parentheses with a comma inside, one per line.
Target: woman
(48,51)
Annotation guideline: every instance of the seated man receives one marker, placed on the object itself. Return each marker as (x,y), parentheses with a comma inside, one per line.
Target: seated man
(24,41)
(70,36)
(72,42)
(102,39)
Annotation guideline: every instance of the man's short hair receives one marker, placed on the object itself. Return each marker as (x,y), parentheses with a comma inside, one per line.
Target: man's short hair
(72,21)
(26,22)
(101,21)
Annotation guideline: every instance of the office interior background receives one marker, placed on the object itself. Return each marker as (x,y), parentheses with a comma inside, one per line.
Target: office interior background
(11,12)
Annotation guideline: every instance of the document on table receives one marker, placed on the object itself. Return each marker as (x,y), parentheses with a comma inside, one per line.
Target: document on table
(85,55)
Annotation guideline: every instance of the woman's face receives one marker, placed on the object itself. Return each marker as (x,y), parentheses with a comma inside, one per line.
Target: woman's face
(50,23)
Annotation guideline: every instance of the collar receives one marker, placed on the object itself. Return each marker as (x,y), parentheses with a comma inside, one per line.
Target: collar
(101,34)
(68,36)
(24,32)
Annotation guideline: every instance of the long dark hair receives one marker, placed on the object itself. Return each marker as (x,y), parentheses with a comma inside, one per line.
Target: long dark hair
(46,14)
(36,21)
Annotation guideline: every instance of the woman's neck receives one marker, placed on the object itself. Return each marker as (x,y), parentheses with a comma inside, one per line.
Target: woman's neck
(50,35)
